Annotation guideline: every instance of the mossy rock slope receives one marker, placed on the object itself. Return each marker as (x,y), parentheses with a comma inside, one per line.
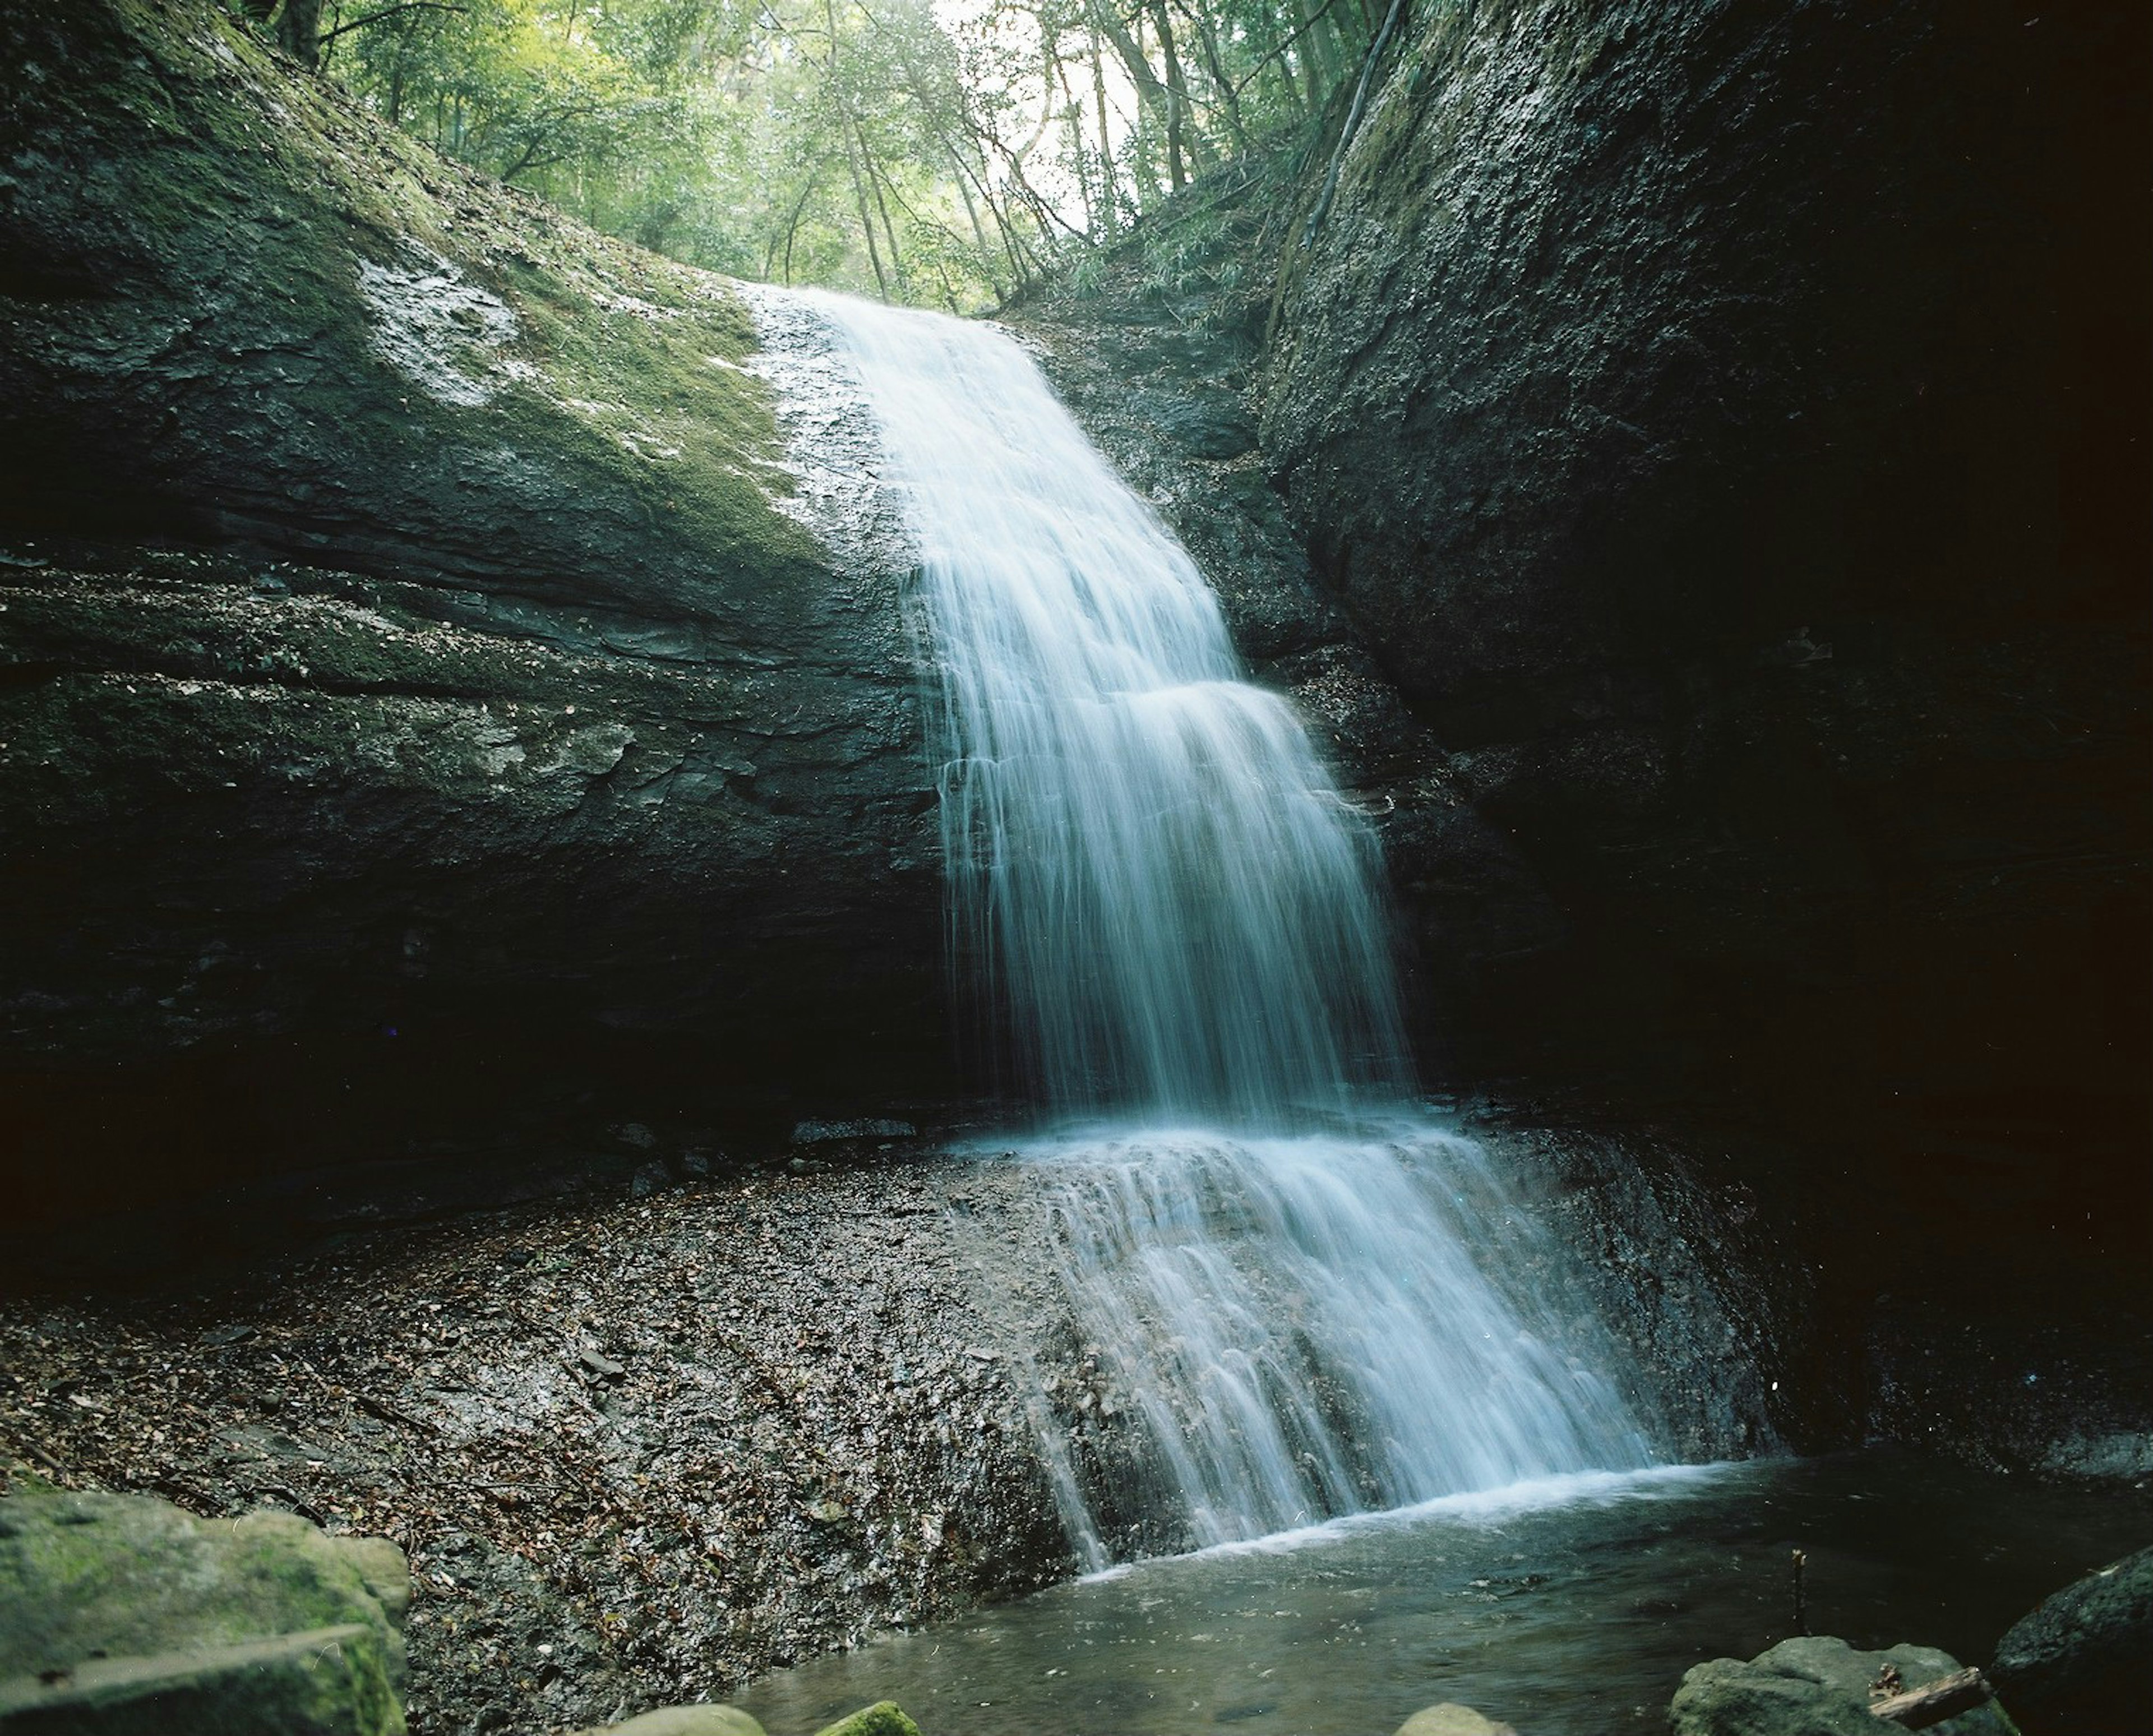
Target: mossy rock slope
(418,686)
(121,1613)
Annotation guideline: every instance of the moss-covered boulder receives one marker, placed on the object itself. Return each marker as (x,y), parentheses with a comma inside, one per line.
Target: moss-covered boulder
(422,684)
(121,1613)
(885,1717)
(1817,1687)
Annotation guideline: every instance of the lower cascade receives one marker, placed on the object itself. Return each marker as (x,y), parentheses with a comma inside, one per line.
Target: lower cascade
(1282,1270)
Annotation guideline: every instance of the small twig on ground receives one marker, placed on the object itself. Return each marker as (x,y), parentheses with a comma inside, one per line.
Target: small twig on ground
(390,1414)
(43,1457)
(305,1508)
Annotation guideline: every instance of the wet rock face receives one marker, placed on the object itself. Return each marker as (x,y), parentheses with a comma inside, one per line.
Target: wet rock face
(639,1446)
(425,677)
(2017,1382)
(1163,384)
(1725,423)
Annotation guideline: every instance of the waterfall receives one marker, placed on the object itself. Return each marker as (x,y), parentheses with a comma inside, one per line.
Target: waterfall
(1154,878)
(1175,922)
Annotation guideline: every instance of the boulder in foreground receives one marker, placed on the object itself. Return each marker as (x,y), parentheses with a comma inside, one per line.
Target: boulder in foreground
(1452,1719)
(1817,1687)
(123,1614)
(883,1718)
(2080,1662)
(686,1721)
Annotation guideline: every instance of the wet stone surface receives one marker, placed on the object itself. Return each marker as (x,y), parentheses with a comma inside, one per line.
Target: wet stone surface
(639,1448)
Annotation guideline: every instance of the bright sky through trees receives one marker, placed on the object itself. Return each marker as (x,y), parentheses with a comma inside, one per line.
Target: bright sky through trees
(937,151)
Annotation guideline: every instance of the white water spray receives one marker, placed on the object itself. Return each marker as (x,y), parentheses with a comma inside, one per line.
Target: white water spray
(1175,919)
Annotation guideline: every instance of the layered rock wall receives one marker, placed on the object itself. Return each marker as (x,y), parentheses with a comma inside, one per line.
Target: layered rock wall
(425,694)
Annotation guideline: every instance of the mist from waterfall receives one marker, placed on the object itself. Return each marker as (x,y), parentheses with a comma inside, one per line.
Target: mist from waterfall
(1175,923)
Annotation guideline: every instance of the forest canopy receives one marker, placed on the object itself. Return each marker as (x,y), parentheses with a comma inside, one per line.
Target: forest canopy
(936,151)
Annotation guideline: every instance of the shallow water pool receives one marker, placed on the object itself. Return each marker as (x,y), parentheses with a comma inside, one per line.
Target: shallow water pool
(1569,1608)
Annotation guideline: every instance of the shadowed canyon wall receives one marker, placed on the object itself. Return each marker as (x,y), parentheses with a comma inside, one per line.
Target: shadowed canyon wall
(1727,427)
(1694,473)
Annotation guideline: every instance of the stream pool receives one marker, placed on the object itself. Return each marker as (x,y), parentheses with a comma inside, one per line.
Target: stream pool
(1569,1608)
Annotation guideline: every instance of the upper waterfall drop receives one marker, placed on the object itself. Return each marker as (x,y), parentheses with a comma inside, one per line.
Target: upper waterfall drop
(1173,911)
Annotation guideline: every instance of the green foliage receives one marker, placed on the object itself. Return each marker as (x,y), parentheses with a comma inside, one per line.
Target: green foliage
(938,151)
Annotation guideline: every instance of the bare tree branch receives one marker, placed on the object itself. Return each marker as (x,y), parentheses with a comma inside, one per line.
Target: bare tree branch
(390,11)
(1352,124)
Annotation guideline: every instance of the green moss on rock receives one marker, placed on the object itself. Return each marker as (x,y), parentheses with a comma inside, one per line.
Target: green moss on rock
(120,1612)
(388,309)
(883,1718)
(406,629)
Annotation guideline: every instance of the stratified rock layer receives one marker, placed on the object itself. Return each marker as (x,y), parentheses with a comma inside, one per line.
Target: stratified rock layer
(422,687)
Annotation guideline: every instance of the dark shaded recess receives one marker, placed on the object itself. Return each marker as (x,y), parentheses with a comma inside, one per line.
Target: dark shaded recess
(60,481)
(142,1174)
(1729,425)
(253,983)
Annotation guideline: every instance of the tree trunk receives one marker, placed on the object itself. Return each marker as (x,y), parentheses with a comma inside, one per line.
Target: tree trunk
(1150,91)
(1177,96)
(881,207)
(299,31)
(979,229)
(1320,57)
(1074,111)
(1107,196)
(1207,36)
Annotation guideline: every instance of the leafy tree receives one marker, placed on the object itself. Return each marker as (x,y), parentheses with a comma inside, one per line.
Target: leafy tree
(932,151)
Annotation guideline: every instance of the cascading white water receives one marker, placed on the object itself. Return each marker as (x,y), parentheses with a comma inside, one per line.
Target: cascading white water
(1177,918)
(1303,1328)
(1173,909)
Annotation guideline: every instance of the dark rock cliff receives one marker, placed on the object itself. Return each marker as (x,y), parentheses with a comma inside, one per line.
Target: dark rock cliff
(1726,425)
(418,694)
(1697,479)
